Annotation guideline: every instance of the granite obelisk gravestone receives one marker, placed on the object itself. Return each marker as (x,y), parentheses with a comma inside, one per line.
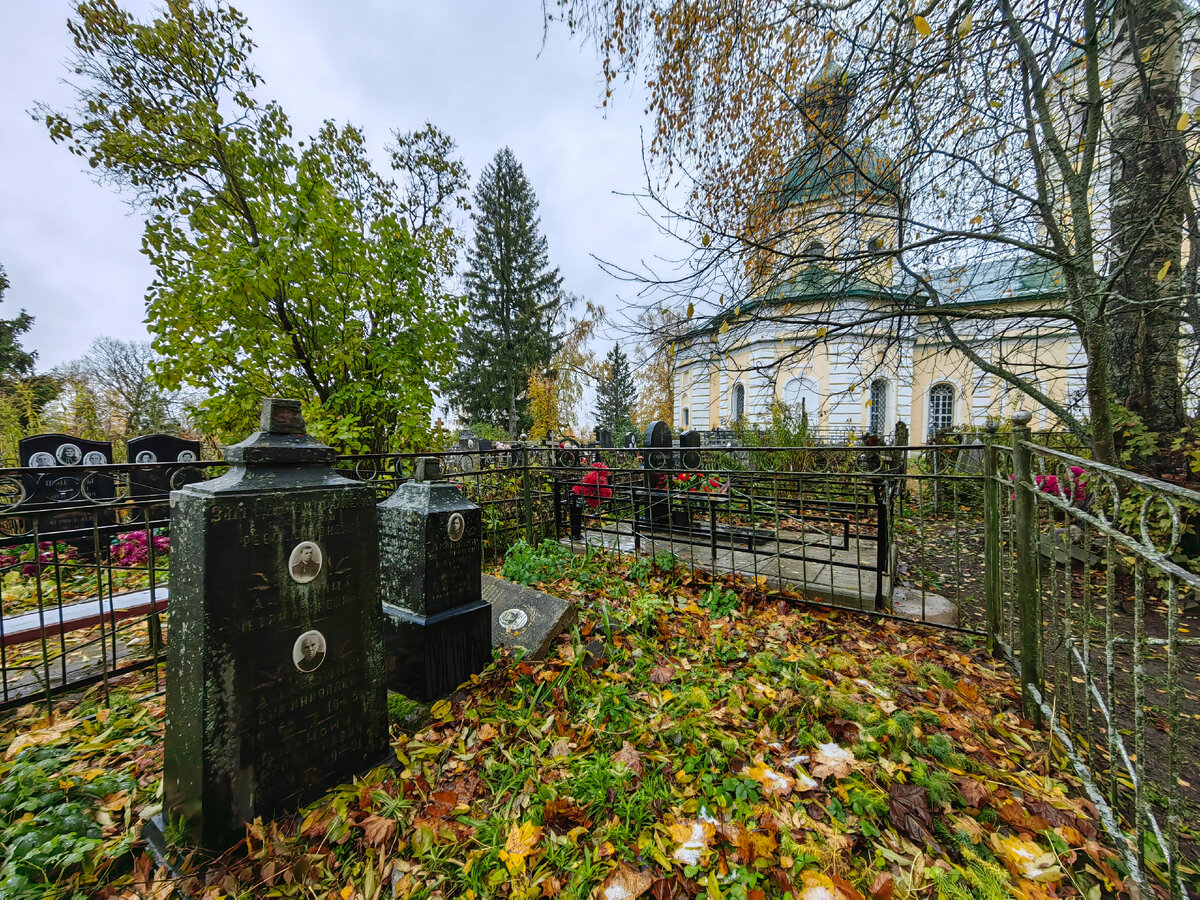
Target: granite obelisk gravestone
(437,626)
(275,685)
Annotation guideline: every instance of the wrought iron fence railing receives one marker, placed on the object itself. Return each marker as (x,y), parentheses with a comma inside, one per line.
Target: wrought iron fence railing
(1090,572)
(1084,576)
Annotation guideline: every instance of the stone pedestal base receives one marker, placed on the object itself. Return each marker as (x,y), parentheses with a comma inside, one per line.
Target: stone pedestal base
(429,656)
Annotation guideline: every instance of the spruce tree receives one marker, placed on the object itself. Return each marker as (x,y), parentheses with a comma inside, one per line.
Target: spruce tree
(514,301)
(615,395)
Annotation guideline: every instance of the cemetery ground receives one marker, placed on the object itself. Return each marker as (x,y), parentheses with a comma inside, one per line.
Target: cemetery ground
(686,738)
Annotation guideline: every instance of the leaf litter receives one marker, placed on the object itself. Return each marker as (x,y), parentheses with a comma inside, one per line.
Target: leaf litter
(777,751)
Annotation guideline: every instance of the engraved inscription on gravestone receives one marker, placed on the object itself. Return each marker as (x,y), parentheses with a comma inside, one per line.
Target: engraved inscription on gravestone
(275,685)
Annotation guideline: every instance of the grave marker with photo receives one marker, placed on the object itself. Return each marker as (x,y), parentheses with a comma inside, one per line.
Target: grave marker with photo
(275,681)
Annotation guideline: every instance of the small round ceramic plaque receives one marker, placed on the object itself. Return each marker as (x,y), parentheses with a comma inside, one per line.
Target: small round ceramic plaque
(513,620)
(456,526)
(69,454)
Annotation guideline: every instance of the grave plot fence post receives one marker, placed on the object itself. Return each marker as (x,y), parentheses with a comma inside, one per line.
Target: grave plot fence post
(993,589)
(1025,538)
(526,500)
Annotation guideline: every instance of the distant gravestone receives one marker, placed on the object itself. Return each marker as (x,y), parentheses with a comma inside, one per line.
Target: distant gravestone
(631,440)
(153,449)
(438,628)
(275,684)
(568,454)
(689,452)
(604,438)
(52,453)
(658,457)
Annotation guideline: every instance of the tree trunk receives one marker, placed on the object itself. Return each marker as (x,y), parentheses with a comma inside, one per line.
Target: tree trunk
(1148,204)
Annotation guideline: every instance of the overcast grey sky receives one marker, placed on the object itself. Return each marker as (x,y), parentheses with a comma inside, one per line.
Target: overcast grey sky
(476,68)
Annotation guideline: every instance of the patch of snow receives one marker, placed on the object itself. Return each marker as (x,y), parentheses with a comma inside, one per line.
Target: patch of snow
(690,851)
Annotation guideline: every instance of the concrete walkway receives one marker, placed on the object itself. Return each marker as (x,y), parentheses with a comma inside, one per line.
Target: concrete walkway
(805,561)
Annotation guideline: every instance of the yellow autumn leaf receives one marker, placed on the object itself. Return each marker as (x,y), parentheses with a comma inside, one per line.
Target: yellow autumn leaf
(1182,124)
(440,710)
(822,331)
(1166,267)
(737,310)
(671,350)
(705,239)
(724,328)
(1146,55)
(922,26)
(691,309)
(964,27)
(522,839)
(773,783)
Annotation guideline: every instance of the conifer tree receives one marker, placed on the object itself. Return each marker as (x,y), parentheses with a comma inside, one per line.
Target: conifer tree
(514,301)
(615,395)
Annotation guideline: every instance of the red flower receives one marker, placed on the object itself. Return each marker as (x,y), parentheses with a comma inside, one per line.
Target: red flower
(594,487)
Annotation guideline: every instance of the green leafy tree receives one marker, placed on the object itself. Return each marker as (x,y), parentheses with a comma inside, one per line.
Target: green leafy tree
(282,267)
(514,297)
(616,396)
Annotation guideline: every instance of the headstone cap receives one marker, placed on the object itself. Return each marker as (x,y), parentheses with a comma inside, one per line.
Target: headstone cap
(427,468)
(281,439)
(281,415)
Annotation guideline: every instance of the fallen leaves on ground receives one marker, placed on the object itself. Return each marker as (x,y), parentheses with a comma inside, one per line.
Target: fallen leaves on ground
(780,749)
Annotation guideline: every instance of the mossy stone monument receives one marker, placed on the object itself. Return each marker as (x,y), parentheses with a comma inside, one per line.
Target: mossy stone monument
(275,682)
(437,626)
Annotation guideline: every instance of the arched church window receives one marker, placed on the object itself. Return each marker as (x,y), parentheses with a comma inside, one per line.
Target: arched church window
(739,401)
(875,245)
(879,406)
(941,408)
(803,397)
(814,250)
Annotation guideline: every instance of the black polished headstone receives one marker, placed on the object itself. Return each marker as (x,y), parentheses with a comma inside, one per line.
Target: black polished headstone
(153,449)
(53,453)
(658,456)
(437,624)
(689,444)
(604,438)
(631,440)
(658,452)
(275,681)
(62,478)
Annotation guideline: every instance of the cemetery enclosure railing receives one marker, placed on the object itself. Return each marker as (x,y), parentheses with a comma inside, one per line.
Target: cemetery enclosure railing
(1078,577)
(84,556)
(1090,570)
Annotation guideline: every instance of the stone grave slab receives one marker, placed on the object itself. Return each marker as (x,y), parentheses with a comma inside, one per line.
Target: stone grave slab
(525,618)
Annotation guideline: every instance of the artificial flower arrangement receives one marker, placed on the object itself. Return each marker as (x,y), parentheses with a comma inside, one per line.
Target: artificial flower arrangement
(699,482)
